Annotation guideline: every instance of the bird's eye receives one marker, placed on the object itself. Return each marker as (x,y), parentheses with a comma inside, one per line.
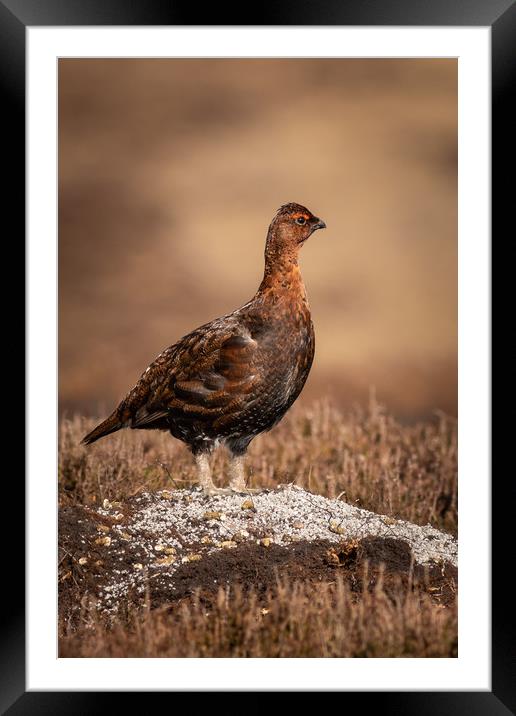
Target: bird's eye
(301,220)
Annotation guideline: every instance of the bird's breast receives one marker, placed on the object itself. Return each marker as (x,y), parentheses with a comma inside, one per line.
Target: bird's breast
(286,350)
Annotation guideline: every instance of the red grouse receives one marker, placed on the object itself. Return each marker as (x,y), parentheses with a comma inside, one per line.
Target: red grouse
(238,375)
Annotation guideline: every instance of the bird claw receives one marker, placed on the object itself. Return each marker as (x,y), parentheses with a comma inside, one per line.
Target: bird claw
(211,490)
(243,490)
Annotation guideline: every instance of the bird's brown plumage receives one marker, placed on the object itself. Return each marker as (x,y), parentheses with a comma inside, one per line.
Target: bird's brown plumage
(236,376)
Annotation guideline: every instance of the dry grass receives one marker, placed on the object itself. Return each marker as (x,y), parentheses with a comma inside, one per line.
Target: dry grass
(295,620)
(407,472)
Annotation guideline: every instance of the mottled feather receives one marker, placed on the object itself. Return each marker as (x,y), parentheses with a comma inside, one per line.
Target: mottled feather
(236,376)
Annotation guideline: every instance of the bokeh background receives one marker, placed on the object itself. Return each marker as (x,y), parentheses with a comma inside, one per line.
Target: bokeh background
(170,172)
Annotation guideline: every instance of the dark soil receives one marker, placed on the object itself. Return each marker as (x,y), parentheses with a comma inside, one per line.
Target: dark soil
(252,566)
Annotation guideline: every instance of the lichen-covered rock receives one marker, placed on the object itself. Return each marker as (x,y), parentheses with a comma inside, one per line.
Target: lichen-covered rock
(164,539)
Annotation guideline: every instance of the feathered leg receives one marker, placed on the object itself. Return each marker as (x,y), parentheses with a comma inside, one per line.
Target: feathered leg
(237,475)
(204,476)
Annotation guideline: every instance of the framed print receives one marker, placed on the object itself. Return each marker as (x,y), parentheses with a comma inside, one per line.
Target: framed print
(370,126)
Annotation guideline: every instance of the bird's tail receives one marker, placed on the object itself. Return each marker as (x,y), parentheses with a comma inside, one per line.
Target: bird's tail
(110,425)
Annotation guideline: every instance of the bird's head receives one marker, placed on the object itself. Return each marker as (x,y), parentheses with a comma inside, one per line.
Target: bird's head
(293,224)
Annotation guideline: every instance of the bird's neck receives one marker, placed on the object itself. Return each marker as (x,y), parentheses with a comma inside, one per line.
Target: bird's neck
(281,266)
(282,273)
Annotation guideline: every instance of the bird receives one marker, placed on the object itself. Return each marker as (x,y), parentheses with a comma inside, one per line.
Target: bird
(236,376)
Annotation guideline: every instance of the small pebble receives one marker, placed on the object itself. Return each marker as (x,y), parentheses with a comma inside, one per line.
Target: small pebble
(240,536)
(165,560)
(228,544)
(212,516)
(191,558)
(337,529)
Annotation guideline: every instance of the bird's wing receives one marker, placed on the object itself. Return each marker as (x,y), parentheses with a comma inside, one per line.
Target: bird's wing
(204,376)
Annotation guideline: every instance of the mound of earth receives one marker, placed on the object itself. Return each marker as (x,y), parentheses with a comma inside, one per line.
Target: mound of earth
(158,548)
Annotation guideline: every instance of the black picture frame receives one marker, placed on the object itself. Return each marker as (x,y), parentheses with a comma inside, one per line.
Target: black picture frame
(500,16)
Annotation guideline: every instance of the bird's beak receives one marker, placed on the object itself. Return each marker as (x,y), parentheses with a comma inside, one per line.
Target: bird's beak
(318,225)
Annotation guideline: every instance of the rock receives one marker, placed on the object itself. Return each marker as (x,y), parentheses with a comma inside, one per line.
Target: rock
(170,542)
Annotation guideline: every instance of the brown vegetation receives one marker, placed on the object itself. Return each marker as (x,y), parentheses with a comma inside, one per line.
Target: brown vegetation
(296,619)
(168,170)
(343,601)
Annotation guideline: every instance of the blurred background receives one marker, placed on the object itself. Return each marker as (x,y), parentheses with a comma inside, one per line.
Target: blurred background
(170,172)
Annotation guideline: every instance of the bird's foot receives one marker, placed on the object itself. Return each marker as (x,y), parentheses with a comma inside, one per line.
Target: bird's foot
(211,490)
(242,489)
